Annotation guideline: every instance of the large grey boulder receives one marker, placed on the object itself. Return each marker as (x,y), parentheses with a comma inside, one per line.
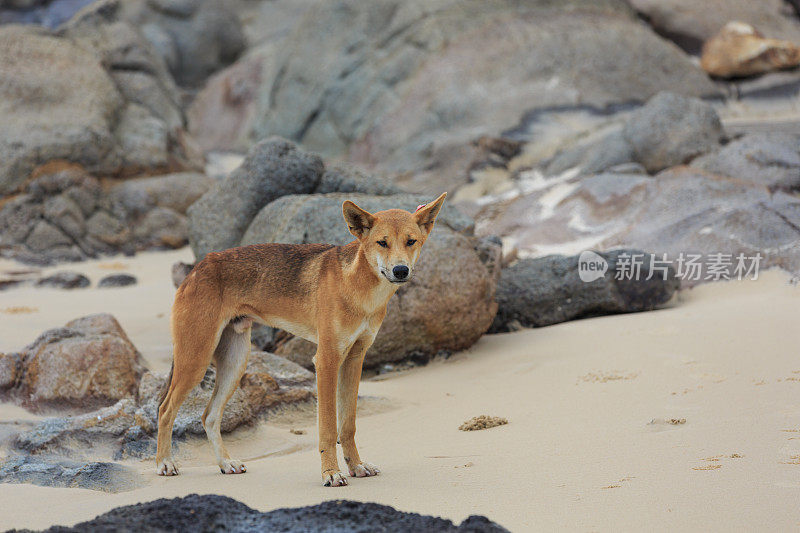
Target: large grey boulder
(391,83)
(446,307)
(671,130)
(273,168)
(548,290)
(47,115)
(772,159)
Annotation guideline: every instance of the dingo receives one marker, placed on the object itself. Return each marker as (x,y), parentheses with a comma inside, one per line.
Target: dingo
(334,296)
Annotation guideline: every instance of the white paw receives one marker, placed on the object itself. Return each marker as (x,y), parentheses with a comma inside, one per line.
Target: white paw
(364,470)
(232,466)
(335,479)
(166,467)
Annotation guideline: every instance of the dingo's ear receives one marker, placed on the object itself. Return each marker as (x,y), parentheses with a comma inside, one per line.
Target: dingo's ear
(358,221)
(426,214)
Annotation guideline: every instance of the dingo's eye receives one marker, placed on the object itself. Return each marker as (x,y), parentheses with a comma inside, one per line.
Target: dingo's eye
(411,242)
(384,244)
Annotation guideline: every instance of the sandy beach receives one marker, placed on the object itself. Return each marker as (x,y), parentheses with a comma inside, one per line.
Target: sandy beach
(596,438)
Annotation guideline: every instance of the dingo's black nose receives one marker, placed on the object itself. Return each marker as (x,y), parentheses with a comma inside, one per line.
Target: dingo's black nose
(400,272)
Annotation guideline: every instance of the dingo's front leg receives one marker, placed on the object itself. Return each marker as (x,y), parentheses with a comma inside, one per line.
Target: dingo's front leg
(346,401)
(327,366)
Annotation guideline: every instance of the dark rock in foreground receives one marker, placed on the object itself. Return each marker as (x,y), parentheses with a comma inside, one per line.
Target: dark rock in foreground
(548,290)
(220,513)
(64,280)
(108,477)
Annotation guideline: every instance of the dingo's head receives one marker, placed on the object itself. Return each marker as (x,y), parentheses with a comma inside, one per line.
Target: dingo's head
(392,239)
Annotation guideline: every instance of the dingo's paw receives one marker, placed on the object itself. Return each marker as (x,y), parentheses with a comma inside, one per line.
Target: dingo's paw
(364,470)
(334,479)
(232,466)
(166,467)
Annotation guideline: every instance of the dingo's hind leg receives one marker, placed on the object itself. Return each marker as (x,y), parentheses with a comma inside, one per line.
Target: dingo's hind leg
(194,343)
(230,358)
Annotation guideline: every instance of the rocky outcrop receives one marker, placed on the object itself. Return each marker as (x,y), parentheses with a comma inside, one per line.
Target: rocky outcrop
(690,23)
(739,50)
(769,159)
(548,290)
(64,214)
(394,84)
(194,38)
(88,362)
(212,513)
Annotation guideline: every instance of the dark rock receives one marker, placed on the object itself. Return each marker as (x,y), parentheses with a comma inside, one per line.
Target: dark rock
(273,168)
(672,130)
(770,159)
(595,156)
(346,178)
(117,280)
(220,513)
(64,280)
(548,290)
(51,472)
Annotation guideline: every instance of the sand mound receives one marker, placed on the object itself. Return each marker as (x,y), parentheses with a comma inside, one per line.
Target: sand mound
(482,422)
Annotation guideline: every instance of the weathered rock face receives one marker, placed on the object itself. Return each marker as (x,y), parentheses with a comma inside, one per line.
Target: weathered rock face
(47,115)
(548,290)
(455,272)
(671,130)
(690,23)
(90,361)
(339,85)
(268,382)
(273,168)
(771,159)
(65,215)
(194,38)
(739,50)
(680,210)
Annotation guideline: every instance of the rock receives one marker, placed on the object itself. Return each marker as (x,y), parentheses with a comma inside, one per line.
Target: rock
(194,38)
(690,23)
(175,191)
(79,436)
(162,228)
(88,362)
(48,116)
(117,280)
(679,211)
(9,370)
(389,84)
(269,382)
(548,290)
(299,351)
(213,512)
(64,280)
(179,272)
(106,477)
(455,271)
(273,168)
(739,50)
(346,178)
(45,236)
(142,139)
(771,159)
(671,130)
(594,156)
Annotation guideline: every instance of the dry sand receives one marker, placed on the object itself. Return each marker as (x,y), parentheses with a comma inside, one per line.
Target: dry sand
(595,441)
